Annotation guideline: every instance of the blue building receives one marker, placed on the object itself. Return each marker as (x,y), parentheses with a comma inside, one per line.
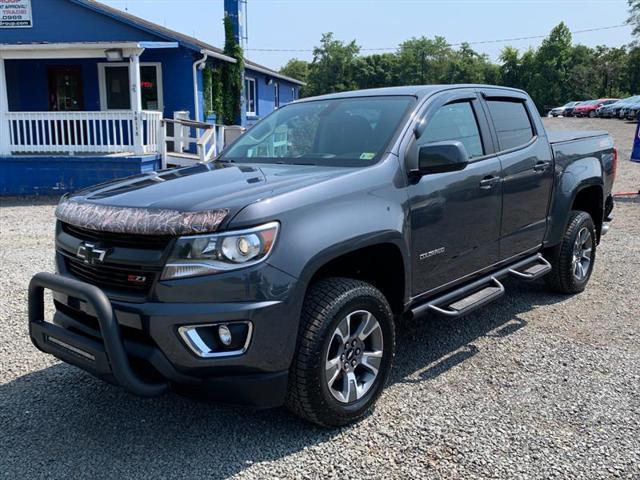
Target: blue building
(84,89)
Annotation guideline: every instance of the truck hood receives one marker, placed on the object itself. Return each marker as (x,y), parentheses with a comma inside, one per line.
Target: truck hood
(211,187)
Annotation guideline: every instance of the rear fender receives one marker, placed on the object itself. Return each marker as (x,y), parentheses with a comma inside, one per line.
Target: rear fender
(577,175)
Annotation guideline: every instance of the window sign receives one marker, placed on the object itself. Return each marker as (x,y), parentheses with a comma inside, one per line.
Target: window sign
(15,14)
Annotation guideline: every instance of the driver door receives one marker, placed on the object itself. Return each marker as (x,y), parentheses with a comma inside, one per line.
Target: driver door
(455,216)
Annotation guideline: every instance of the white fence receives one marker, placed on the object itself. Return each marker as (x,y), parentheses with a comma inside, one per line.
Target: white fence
(208,144)
(83,132)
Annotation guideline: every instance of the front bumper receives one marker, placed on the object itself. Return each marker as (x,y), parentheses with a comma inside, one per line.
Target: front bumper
(137,345)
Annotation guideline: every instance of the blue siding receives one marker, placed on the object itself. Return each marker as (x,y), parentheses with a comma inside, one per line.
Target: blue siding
(54,175)
(64,21)
(266,94)
(177,77)
(50,175)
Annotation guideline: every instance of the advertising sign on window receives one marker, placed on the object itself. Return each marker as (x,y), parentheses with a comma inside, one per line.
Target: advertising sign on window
(15,14)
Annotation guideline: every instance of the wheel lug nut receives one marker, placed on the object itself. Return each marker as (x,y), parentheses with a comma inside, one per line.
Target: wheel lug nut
(357,351)
(354,343)
(342,357)
(353,363)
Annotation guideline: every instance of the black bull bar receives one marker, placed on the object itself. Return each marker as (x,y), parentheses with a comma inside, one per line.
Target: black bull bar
(107,359)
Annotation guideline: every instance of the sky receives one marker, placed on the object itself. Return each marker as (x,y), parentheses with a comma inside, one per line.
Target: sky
(373,24)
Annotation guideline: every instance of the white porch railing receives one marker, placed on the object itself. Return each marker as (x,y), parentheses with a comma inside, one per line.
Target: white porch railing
(186,132)
(83,132)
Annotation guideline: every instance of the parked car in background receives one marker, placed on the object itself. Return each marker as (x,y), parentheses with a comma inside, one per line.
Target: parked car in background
(630,112)
(556,112)
(569,111)
(588,109)
(613,110)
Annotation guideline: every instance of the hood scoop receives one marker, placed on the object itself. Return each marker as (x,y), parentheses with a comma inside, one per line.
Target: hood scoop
(138,221)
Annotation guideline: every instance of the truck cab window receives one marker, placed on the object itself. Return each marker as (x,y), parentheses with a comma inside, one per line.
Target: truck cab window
(455,121)
(512,123)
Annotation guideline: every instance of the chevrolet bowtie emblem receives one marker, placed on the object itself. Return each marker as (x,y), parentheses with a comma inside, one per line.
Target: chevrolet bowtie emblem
(91,254)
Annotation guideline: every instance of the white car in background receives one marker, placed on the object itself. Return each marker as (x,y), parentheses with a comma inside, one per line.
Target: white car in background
(556,112)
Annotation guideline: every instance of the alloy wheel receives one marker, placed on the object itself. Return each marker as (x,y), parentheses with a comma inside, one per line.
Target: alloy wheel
(582,253)
(354,356)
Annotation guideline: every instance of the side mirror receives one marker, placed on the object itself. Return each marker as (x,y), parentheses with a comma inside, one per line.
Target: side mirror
(440,157)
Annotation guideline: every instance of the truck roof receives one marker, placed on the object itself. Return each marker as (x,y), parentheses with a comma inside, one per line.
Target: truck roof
(413,90)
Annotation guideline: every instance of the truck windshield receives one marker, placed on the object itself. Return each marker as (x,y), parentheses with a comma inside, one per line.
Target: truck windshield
(345,132)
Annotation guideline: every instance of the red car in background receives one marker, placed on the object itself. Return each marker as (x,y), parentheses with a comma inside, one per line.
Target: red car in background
(588,109)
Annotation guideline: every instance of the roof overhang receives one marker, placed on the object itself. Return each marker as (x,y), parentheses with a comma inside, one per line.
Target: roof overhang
(76,49)
(219,56)
(271,73)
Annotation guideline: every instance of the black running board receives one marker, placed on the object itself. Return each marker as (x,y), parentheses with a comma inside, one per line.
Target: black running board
(533,271)
(472,296)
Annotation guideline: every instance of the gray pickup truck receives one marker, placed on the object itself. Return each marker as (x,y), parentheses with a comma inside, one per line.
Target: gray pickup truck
(274,274)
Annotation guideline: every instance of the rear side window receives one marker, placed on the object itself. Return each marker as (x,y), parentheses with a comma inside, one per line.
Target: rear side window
(512,123)
(455,121)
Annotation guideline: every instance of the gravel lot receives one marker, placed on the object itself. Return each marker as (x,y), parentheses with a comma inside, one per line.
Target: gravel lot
(532,386)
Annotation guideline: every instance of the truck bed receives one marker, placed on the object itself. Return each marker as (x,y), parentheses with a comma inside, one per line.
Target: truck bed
(571,135)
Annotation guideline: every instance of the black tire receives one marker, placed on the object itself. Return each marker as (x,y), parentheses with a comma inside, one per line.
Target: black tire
(326,304)
(562,278)
(592,114)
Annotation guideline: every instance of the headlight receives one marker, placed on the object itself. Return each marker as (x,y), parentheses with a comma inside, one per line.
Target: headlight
(220,252)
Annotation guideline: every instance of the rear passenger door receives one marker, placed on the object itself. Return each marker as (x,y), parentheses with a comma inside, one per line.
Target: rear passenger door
(527,170)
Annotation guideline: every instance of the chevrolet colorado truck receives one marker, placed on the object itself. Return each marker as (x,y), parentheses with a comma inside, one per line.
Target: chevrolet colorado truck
(273,275)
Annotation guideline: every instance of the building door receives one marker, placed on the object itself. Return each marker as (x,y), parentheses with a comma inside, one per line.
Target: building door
(65,88)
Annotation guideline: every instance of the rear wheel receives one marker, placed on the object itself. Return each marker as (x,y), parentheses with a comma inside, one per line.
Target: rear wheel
(344,354)
(592,114)
(572,261)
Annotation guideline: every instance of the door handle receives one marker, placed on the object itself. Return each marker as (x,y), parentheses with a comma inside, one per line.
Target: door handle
(541,166)
(489,182)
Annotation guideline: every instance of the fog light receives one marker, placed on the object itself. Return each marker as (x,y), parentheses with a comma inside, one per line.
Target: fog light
(217,340)
(225,335)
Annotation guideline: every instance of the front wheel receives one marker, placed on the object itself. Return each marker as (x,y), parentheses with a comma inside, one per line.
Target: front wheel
(572,261)
(592,114)
(345,350)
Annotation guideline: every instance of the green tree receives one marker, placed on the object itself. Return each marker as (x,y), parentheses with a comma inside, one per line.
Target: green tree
(298,69)
(232,76)
(332,68)
(550,83)
(510,67)
(634,16)
(423,61)
(633,71)
(378,70)
(468,66)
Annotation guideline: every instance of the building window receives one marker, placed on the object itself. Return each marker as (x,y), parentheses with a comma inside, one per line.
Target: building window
(276,94)
(250,95)
(114,86)
(65,88)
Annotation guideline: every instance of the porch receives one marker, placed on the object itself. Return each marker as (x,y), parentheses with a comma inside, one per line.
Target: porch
(44,122)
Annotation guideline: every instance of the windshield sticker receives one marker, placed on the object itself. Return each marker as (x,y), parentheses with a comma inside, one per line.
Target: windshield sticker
(367,156)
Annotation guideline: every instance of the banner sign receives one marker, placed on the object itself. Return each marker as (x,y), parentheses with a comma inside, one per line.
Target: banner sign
(15,14)
(635,152)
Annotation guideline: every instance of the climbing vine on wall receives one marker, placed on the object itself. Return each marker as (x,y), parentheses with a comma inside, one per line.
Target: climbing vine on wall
(232,76)
(213,98)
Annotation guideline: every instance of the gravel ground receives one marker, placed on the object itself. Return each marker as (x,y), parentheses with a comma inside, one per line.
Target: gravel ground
(532,386)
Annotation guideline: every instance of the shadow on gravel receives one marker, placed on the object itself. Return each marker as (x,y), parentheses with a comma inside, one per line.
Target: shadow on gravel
(60,422)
